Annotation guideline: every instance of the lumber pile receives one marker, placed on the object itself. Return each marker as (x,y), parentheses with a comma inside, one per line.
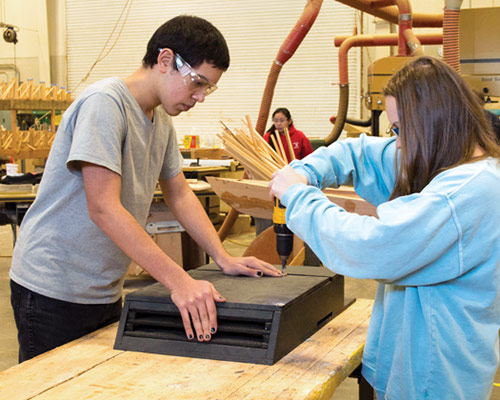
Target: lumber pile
(29,91)
(249,148)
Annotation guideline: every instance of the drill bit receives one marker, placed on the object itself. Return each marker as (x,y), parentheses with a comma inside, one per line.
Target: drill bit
(283,267)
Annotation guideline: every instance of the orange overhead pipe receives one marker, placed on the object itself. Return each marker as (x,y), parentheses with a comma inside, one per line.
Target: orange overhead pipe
(391,13)
(413,43)
(390,39)
(404,24)
(346,43)
(286,51)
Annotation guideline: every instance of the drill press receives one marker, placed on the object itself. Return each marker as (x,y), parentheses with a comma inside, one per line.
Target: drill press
(284,236)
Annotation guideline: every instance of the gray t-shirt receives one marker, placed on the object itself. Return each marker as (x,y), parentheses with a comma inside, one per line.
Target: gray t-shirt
(60,252)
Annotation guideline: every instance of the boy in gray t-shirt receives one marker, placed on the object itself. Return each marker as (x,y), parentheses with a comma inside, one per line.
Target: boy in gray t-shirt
(113,145)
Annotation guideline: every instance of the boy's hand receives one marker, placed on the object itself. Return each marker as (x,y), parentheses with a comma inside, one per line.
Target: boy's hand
(195,300)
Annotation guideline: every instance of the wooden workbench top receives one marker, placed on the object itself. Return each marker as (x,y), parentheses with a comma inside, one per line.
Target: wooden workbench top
(89,368)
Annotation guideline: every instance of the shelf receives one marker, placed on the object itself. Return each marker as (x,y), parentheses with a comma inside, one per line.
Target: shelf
(25,104)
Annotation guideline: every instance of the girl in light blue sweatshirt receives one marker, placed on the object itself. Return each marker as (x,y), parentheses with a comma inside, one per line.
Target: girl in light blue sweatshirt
(434,247)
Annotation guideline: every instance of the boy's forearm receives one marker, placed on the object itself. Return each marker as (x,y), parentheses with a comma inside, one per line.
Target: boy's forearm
(192,216)
(134,241)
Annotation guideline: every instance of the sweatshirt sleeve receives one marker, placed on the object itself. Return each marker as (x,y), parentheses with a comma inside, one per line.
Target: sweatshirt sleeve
(365,162)
(266,136)
(414,241)
(306,147)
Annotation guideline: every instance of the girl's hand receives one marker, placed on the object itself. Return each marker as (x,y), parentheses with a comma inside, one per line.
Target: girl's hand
(283,179)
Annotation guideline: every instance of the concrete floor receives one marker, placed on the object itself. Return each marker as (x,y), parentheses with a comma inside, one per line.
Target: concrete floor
(235,244)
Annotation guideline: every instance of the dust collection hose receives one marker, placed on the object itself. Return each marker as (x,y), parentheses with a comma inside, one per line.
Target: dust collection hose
(451,45)
(404,24)
(286,51)
(347,42)
(341,115)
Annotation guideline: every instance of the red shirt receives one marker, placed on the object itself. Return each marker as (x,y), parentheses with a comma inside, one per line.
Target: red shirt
(300,143)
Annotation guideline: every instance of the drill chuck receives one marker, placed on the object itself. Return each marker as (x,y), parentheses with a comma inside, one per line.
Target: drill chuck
(284,236)
(284,241)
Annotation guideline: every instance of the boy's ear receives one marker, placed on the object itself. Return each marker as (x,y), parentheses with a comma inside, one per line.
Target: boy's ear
(165,59)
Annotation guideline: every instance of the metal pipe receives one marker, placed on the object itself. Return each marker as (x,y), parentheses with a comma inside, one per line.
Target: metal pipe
(404,24)
(346,43)
(390,39)
(354,121)
(391,13)
(413,43)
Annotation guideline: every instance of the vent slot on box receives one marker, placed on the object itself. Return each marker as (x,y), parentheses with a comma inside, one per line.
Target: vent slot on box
(231,330)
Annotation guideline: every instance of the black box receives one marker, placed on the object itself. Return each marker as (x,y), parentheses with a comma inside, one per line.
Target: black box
(262,320)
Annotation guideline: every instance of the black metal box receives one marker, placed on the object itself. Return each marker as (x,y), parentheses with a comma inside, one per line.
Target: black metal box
(262,320)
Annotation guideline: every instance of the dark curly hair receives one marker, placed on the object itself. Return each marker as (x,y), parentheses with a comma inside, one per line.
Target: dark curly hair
(195,39)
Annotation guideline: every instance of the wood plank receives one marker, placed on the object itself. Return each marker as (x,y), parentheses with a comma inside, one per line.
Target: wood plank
(88,368)
(210,153)
(55,367)
(321,356)
(252,197)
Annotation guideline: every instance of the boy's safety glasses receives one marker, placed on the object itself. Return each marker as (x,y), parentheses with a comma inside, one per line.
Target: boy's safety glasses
(192,80)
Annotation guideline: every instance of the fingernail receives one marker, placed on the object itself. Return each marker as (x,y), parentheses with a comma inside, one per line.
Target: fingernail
(200,337)
(260,273)
(207,337)
(212,330)
(190,337)
(220,297)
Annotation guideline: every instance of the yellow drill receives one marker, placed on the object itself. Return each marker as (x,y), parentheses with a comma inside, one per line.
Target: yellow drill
(284,236)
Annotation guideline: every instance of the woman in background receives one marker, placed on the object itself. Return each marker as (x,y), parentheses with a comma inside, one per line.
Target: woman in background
(301,145)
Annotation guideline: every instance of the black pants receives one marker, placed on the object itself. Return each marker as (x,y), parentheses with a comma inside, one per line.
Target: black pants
(44,323)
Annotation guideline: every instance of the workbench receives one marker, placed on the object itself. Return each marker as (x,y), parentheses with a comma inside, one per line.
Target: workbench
(89,368)
(14,204)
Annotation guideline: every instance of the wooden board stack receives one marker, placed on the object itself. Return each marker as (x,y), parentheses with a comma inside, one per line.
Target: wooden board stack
(253,152)
(26,144)
(29,91)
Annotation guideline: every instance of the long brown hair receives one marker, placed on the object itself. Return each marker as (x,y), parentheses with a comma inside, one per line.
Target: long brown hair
(441,123)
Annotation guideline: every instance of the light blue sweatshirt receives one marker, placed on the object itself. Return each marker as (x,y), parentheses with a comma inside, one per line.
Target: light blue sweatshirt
(434,328)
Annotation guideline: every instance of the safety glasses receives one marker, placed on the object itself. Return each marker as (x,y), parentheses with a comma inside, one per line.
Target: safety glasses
(193,81)
(392,129)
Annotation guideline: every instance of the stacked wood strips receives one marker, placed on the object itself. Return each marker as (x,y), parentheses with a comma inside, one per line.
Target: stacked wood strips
(29,91)
(26,144)
(253,152)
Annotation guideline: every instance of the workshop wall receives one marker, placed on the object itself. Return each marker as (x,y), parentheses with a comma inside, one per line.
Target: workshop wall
(254,30)
(29,58)
(59,40)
